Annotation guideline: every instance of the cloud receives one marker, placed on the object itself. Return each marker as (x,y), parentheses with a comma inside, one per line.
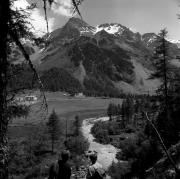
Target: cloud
(58,14)
(63,7)
(36,18)
(21,4)
(39,23)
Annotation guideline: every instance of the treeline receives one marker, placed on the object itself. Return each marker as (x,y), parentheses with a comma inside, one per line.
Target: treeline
(126,117)
(99,86)
(58,79)
(55,79)
(132,109)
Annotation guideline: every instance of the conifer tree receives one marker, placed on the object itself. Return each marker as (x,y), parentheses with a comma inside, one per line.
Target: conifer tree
(53,128)
(123,113)
(130,109)
(163,72)
(110,111)
(77,126)
(162,69)
(119,111)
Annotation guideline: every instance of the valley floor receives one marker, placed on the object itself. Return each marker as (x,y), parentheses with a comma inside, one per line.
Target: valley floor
(67,108)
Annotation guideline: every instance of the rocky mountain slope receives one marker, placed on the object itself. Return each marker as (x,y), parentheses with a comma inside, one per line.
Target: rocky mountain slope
(107,57)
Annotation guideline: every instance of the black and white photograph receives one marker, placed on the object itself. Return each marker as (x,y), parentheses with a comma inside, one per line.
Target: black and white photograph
(89,89)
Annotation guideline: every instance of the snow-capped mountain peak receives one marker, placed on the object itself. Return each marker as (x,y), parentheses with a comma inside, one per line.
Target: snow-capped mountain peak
(115,29)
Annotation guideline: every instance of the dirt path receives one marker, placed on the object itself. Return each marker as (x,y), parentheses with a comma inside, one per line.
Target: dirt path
(106,153)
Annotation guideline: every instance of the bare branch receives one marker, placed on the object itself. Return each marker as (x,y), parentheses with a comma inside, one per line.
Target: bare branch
(76,4)
(45,15)
(162,143)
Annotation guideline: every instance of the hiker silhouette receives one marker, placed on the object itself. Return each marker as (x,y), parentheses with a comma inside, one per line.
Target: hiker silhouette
(95,170)
(61,169)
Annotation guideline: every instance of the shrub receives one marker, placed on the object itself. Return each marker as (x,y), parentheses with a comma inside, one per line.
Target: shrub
(34,173)
(141,153)
(99,130)
(119,170)
(77,145)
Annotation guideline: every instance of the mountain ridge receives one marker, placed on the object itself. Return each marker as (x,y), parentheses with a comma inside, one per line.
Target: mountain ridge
(107,56)
(86,49)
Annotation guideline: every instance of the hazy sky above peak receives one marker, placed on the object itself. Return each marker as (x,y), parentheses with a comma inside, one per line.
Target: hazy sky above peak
(140,15)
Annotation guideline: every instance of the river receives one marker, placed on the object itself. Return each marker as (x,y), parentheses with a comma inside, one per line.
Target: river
(106,153)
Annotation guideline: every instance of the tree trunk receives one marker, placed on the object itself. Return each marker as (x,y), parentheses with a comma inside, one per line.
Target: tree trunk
(4,16)
(165,76)
(110,117)
(52,146)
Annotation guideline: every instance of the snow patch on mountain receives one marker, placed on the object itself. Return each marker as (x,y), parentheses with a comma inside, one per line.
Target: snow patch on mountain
(87,29)
(111,29)
(173,41)
(176,42)
(151,40)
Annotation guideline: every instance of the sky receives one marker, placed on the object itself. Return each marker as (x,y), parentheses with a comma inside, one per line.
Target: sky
(140,15)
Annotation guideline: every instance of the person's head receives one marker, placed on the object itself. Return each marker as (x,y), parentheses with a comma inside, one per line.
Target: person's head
(65,154)
(93,157)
